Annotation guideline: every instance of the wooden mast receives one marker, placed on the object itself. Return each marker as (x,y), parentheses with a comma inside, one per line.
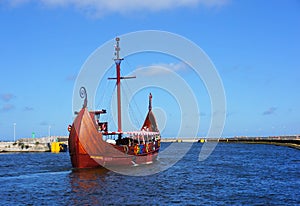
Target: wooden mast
(150,102)
(118,61)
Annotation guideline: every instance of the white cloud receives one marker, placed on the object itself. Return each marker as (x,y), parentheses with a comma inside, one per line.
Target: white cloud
(102,7)
(161,69)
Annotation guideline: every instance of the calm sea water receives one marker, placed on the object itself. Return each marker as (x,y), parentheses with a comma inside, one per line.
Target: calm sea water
(234,174)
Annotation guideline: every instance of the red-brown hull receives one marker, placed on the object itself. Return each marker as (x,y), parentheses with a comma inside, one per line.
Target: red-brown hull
(86,161)
(88,150)
(81,159)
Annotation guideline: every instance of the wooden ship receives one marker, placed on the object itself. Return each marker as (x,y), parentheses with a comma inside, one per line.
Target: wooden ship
(92,145)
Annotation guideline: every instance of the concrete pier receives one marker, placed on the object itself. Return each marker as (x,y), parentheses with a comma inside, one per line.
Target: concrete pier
(31,144)
(24,147)
(290,141)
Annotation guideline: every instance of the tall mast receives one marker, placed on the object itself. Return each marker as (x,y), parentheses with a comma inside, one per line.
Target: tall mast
(118,61)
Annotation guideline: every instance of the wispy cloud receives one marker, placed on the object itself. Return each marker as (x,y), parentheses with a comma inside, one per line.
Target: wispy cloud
(162,69)
(175,66)
(28,108)
(7,97)
(103,7)
(7,107)
(270,111)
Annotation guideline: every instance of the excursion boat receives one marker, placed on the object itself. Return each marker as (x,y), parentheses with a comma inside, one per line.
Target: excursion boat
(92,145)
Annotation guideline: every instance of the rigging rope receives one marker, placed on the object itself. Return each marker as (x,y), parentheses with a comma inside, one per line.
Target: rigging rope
(132,111)
(105,92)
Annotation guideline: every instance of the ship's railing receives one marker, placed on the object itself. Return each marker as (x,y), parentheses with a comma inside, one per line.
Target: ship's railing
(143,136)
(134,137)
(142,133)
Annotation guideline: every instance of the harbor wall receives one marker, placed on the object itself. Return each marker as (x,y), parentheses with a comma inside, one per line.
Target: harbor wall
(32,144)
(24,147)
(44,144)
(290,141)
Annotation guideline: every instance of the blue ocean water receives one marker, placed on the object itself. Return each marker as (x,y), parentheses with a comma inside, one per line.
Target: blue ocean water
(234,174)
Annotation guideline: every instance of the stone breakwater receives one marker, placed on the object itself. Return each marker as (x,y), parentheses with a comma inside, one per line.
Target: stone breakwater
(24,147)
(31,144)
(289,141)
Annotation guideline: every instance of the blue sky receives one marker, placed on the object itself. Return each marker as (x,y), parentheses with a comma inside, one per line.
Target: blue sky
(254,46)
